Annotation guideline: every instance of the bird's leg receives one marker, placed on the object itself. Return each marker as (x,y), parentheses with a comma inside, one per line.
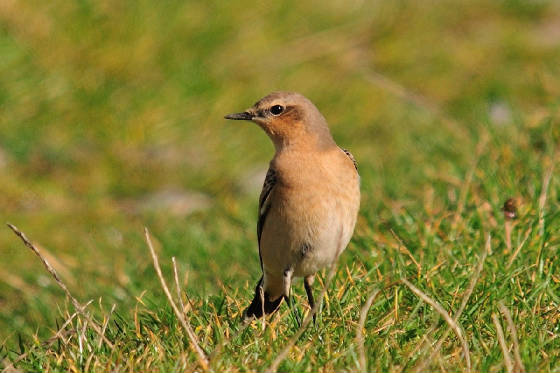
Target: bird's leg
(288,292)
(261,297)
(291,306)
(308,282)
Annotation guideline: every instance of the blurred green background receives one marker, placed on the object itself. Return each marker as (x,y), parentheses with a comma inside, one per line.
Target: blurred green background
(111,119)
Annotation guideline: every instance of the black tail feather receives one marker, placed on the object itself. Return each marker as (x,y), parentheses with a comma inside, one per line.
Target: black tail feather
(255,309)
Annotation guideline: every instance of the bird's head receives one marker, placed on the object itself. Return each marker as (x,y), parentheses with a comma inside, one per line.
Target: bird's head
(289,119)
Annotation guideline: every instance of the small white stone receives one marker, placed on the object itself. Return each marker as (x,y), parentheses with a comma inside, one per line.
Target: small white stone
(43,281)
(174,201)
(500,113)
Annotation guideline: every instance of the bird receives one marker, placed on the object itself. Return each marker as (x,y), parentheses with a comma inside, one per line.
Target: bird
(309,202)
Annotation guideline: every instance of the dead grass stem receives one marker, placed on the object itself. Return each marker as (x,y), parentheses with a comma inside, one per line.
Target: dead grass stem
(518,364)
(52,271)
(359,330)
(503,345)
(201,356)
(452,323)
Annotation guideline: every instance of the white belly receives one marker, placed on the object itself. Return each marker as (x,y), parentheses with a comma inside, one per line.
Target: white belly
(309,231)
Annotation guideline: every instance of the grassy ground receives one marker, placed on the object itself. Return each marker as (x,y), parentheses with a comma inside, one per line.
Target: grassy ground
(111,120)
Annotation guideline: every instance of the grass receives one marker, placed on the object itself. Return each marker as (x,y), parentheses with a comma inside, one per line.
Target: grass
(112,121)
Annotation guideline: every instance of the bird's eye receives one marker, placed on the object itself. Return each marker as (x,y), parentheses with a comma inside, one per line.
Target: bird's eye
(276,109)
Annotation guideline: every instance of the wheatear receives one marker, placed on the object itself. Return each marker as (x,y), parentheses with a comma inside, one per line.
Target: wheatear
(309,202)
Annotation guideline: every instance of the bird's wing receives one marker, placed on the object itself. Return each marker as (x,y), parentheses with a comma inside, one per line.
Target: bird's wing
(264,203)
(347,152)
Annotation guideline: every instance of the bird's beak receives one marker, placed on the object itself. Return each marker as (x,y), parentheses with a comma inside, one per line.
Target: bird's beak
(240,116)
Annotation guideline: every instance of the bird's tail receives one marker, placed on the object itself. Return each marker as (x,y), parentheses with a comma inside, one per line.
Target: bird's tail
(257,307)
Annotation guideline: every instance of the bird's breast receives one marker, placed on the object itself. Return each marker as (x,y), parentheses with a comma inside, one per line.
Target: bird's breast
(312,217)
